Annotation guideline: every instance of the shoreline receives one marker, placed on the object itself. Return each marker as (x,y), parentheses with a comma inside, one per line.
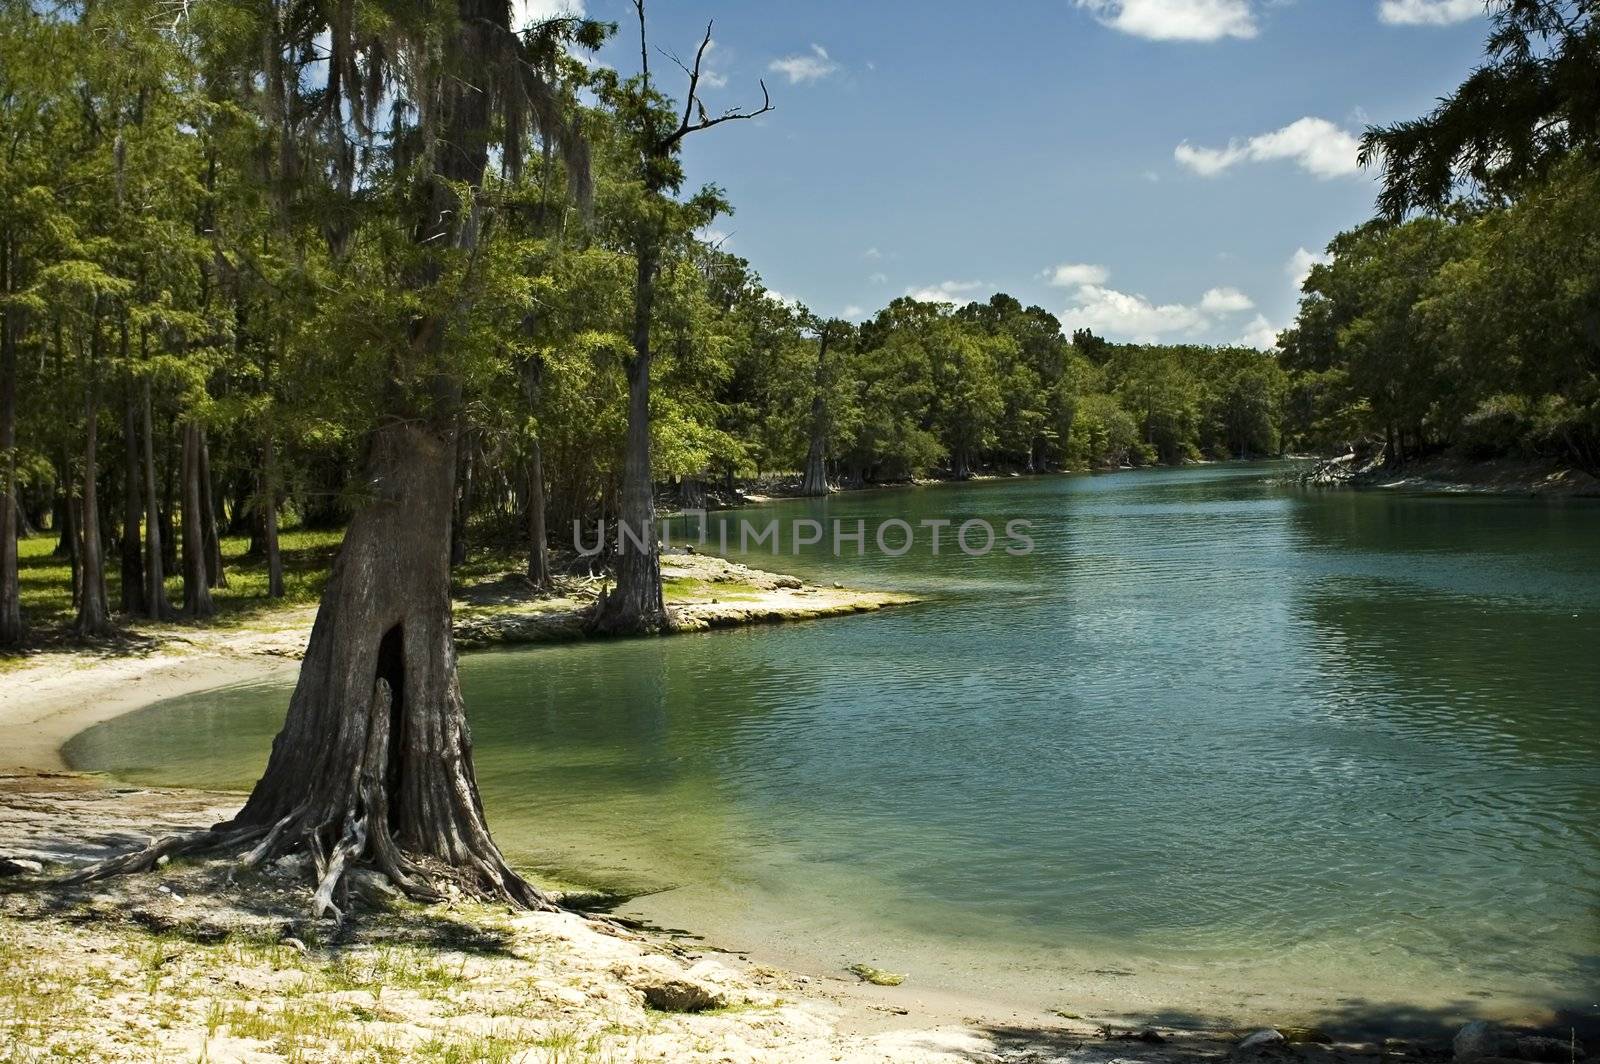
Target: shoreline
(1445,475)
(204,969)
(50,696)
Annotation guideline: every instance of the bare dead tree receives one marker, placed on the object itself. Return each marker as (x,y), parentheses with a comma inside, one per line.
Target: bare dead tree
(637,603)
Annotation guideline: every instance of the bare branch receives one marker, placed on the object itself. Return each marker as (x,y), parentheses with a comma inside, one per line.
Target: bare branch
(706,122)
(644,51)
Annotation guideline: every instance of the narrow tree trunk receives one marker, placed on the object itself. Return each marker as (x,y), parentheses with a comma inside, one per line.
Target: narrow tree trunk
(463,510)
(375,756)
(538,537)
(171,487)
(133,586)
(155,573)
(197,604)
(815,482)
(637,603)
(269,518)
(94,613)
(63,524)
(11,629)
(69,533)
(215,577)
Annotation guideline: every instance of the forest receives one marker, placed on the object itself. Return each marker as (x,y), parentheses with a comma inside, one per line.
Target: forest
(215,291)
(204,267)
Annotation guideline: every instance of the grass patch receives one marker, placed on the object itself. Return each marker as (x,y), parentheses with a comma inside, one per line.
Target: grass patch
(679,590)
(45,581)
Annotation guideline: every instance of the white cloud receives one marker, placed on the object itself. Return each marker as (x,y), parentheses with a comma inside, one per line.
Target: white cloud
(710,78)
(1226,301)
(853,312)
(872,253)
(1299,266)
(1131,316)
(1122,314)
(1428,12)
(1316,145)
(879,278)
(788,301)
(526,12)
(1260,333)
(1176,20)
(1073,274)
(798,68)
(945,292)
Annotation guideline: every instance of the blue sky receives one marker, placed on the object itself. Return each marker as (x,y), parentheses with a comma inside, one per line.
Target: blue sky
(1153,169)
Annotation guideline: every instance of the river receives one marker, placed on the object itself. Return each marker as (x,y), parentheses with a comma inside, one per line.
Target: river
(1219,746)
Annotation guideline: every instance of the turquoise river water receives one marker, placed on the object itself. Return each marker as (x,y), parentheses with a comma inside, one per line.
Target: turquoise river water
(1218,747)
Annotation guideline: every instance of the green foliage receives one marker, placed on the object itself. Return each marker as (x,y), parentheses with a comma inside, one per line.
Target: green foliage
(1477,328)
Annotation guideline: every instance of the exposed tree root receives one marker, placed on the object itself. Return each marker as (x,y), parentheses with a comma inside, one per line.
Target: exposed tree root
(360,838)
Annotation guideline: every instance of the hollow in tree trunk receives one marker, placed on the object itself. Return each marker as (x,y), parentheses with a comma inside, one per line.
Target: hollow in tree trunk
(197,603)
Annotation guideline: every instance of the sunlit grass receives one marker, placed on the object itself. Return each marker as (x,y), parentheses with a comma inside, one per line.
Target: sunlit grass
(678,590)
(46,580)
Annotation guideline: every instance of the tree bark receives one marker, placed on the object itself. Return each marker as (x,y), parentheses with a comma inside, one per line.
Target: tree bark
(815,482)
(538,536)
(11,628)
(269,517)
(68,543)
(215,577)
(133,585)
(197,604)
(375,754)
(94,613)
(637,604)
(155,594)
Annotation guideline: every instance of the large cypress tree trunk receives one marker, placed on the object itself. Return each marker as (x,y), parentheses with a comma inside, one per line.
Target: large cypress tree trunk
(94,613)
(637,603)
(197,604)
(375,757)
(133,586)
(11,630)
